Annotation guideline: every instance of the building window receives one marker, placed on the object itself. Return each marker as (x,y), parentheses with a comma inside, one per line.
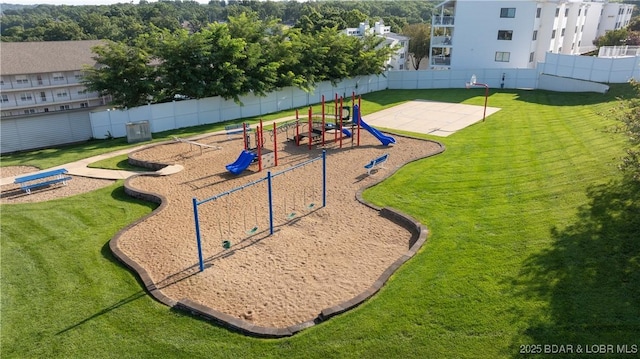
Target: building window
(505,34)
(30,111)
(579,11)
(85,105)
(582,28)
(508,12)
(46,109)
(43,96)
(562,32)
(5,98)
(538,11)
(585,12)
(57,76)
(84,92)
(26,97)
(557,11)
(531,56)
(566,12)
(502,56)
(535,35)
(22,80)
(64,107)
(61,94)
(553,34)
(560,50)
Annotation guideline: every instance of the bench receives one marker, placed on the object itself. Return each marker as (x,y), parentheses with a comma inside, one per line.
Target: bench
(42,179)
(376,162)
(236,129)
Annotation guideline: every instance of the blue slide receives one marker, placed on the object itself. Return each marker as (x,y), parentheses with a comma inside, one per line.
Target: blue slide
(346,132)
(386,140)
(241,164)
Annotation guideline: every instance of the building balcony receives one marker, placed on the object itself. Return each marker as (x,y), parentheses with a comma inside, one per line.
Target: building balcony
(441,60)
(445,20)
(441,41)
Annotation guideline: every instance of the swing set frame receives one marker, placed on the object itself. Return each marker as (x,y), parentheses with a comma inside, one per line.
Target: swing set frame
(268,179)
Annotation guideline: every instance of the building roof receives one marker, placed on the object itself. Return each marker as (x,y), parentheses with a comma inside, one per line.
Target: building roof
(20,58)
(393,35)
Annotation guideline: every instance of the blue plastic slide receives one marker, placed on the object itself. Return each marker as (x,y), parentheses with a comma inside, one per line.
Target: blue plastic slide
(241,164)
(346,132)
(386,140)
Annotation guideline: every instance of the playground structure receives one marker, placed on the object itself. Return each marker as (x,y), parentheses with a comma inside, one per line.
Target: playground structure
(258,154)
(269,181)
(317,129)
(341,127)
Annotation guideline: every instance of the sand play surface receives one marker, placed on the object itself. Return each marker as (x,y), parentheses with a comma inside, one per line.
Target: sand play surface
(318,256)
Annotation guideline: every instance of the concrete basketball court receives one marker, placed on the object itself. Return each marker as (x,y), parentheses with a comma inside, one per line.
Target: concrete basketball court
(429,117)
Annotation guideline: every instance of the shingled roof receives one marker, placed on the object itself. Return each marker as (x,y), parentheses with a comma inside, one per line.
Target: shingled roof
(19,58)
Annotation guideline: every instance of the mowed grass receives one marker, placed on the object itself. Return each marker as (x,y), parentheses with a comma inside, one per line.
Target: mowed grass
(533,240)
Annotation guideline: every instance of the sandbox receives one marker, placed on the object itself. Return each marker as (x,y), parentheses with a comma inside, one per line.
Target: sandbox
(320,261)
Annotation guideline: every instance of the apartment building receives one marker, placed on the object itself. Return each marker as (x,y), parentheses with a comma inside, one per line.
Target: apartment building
(399,60)
(518,33)
(41,77)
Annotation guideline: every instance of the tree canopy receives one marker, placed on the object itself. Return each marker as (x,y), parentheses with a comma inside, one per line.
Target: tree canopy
(245,55)
(125,21)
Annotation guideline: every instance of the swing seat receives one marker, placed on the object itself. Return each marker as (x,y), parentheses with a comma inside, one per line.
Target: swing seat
(252,230)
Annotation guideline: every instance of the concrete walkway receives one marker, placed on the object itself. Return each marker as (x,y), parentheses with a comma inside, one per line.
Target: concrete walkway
(79,168)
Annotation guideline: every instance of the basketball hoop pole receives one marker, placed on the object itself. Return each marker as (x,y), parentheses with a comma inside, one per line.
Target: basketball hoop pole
(486,93)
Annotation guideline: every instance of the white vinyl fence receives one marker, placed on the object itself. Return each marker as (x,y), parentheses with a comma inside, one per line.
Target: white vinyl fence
(178,114)
(557,73)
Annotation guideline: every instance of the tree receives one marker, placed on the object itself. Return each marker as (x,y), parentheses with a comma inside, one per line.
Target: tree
(612,38)
(354,17)
(124,72)
(419,43)
(629,115)
(204,64)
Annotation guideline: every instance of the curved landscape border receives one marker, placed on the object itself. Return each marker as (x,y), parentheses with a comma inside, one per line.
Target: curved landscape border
(418,238)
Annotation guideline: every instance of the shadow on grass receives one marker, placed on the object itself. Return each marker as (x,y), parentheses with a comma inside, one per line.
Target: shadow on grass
(590,277)
(392,97)
(133,297)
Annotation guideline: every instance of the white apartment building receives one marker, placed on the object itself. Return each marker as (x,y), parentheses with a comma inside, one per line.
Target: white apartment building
(399,60)
(518,33)
(39,77)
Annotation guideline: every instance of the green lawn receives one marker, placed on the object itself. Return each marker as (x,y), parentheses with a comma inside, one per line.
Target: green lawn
(533,240)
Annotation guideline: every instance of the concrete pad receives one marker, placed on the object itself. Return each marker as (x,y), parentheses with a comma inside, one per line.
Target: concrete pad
(428,117)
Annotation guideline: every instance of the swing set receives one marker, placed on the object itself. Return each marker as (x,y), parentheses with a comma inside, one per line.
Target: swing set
(226,243)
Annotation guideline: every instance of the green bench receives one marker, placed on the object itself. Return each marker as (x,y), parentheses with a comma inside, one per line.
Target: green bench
(42,179)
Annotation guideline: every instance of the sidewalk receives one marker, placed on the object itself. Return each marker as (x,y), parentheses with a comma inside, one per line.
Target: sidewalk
(79,168)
